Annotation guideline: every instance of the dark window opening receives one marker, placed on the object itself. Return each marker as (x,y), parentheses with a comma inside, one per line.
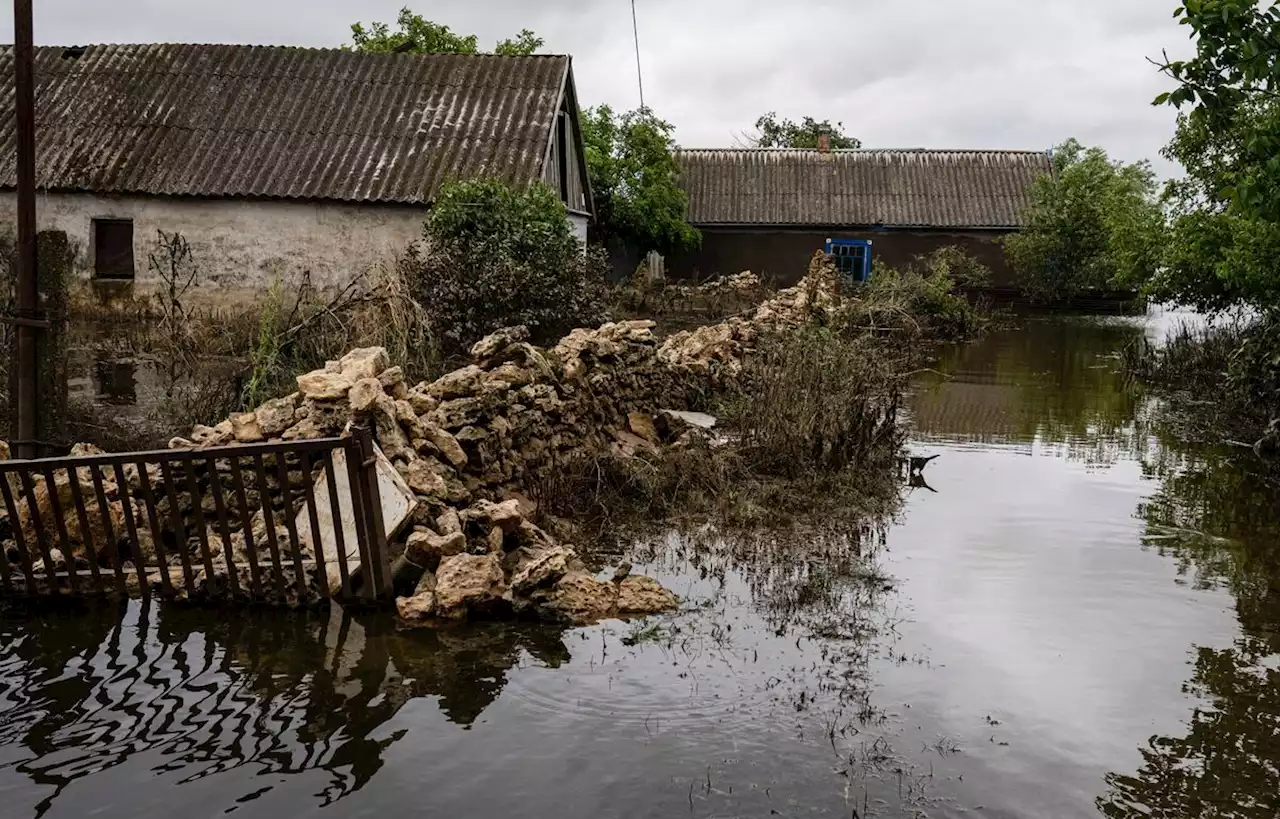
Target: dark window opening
(852,258)
(562,155)
(113,248)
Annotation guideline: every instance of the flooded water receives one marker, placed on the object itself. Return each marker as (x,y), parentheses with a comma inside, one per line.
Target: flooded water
(1074,615)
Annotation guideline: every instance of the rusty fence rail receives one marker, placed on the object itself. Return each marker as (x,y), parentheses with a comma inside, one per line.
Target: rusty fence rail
(285,523)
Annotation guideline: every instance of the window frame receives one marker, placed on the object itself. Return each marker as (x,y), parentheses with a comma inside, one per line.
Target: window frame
(96,237)
(858,276)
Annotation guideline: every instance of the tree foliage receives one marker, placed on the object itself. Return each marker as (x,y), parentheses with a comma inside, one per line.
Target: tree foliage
(1225,245)
(497,257)
(634,178)
(417,35)
(773,132)
(1095,225)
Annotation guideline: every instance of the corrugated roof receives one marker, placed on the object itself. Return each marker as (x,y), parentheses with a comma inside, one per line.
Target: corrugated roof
(267,121)
(912,188)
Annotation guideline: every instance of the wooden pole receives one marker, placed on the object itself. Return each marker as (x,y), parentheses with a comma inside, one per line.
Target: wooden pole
(24,399)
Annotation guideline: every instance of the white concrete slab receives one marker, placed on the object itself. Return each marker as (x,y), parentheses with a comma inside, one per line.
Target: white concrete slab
(398,503)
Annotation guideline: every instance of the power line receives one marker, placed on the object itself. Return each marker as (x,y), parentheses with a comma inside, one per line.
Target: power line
(635,28)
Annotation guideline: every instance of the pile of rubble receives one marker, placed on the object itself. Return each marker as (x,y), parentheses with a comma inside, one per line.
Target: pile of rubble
(489,561)
(469,444)
(745,282)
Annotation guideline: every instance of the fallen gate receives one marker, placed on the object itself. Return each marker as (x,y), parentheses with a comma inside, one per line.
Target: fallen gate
(287,523)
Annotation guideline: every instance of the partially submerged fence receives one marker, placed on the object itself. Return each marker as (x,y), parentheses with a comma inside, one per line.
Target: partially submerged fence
(279,523)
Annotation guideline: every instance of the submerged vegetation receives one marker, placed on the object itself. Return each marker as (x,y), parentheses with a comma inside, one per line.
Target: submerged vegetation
(811,431)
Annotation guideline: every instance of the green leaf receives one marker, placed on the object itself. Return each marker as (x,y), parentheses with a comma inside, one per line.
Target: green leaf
(1162,99)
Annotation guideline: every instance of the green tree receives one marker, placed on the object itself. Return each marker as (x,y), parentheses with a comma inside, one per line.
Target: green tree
(496,257)
(1094,225)
(1225,244)
(415,34)
(785,133)
(634,179)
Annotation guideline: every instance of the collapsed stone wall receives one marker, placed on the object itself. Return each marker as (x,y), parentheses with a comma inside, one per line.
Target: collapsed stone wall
(517,411)
(471,443)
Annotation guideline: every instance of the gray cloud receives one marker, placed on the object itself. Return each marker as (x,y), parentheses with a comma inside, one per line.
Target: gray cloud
(973,74)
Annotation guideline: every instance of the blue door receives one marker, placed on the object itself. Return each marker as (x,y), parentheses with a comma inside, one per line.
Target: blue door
(852,258)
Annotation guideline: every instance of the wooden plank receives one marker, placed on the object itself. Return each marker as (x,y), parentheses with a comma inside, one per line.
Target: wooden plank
(24,554)
(335,512)
(28,490)
(264,495)
(246,521)
(224,527)
(158,456)
(313,517)
(179,528)
(282,474)
(108,527)
(202,534)
(131,525)
(86,535)
(162,560)
(60,526)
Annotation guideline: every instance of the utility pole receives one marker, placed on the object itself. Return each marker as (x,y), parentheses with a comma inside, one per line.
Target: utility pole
(26,322)
(635,29)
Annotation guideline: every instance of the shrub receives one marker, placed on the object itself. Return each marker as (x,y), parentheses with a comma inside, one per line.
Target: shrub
(1232,367)
(926,296)
(495,257)
(816,400)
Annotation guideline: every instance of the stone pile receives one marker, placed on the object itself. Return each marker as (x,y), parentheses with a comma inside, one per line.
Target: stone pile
(489,561)
(468,443)
(745,282)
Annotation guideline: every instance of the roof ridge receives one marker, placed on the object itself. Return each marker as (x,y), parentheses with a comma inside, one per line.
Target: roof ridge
(866,150)
(326,49)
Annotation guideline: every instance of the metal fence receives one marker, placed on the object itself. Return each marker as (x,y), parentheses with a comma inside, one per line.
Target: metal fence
(287,523)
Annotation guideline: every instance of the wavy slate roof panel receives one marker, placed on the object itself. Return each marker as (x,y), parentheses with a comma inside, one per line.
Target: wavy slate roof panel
(911,188)
(270,121)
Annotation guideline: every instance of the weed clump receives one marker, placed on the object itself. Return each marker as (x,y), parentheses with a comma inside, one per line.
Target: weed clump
(927,297)
(814,399)
(1231,366)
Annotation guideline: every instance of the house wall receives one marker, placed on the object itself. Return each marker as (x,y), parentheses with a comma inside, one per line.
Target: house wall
(580,223)
(565,137)
(784,254)
(241,247)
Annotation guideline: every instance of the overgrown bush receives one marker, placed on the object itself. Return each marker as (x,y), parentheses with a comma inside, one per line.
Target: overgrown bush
(926,297)
(496,257)
(814,399)
(1231,365)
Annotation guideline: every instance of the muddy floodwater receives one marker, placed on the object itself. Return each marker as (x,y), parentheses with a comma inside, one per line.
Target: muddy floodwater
(1075,614)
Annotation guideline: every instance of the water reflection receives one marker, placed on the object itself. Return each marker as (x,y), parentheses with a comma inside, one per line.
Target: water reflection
(1051,382)
(1226,765)
(115,381)
(273,696)
(1216,514)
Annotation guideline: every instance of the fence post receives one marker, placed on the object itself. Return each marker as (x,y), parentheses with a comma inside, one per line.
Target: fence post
(379,576)
(54,260)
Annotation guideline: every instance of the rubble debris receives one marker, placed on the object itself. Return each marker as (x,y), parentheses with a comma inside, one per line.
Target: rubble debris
(463,448)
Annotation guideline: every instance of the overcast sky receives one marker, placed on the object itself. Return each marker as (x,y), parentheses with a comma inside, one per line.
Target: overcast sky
(898,73)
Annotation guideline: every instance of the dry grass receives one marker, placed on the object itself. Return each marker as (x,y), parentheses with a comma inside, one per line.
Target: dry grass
(700,484)
(812,436)
(817,400)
